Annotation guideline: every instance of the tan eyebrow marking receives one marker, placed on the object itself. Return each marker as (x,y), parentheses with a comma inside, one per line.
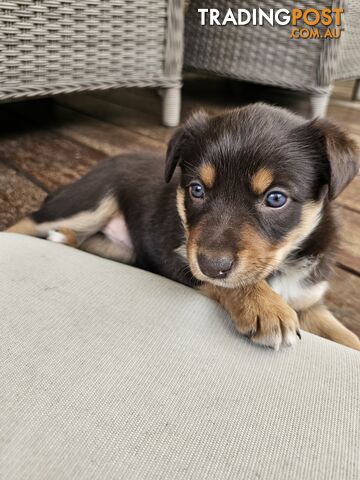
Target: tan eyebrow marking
(207,174)
(261,180)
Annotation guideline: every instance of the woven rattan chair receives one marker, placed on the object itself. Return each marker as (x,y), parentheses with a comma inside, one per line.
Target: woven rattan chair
(267,55)
(49,47)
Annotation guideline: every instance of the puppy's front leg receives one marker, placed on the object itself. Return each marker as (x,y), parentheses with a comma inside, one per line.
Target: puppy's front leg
(258,312)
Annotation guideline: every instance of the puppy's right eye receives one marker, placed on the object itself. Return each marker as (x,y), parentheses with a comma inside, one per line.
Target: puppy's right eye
(275,199)
(196,190)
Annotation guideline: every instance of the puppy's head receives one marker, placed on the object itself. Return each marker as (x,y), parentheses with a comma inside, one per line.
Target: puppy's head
(253,183)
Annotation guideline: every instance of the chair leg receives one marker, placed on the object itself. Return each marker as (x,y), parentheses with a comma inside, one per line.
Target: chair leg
(319,104)
(356,91)
(171,106)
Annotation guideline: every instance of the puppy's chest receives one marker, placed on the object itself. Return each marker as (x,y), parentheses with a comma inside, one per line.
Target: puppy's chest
(294,283)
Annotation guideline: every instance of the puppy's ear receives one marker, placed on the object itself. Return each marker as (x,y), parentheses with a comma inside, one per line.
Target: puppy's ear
(173,153)
(342,155)
(181,141)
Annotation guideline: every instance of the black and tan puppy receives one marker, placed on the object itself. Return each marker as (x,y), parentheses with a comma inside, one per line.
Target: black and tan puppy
(247,219)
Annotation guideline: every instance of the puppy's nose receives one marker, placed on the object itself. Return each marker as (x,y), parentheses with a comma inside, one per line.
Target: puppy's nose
(215,267)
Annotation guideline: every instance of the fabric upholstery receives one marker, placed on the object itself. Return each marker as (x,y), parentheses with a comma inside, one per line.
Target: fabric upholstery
(109,372)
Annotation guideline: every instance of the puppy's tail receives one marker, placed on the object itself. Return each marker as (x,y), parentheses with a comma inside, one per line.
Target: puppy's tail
(28,225)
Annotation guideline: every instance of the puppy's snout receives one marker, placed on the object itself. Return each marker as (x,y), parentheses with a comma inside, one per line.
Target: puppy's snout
(215,267)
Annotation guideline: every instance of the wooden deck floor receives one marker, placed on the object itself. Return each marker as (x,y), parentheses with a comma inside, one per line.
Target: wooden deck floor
(47,143)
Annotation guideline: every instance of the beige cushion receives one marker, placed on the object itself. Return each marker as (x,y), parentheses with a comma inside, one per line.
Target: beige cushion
(109,372)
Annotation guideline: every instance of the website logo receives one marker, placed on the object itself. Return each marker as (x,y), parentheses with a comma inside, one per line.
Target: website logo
(304,23)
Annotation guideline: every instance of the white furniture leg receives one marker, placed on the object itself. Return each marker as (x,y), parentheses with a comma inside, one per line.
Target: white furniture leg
(319,104)
(171,106)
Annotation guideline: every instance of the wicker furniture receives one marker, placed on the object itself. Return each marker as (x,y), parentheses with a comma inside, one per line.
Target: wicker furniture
(267,55)
(60,46)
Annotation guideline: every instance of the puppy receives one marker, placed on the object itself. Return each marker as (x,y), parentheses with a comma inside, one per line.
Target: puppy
(247,219)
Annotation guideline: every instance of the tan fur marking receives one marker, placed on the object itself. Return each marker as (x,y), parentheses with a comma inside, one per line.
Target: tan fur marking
(261,180)
(192,252)
(70,236)
(258,258)
(258,312)
(180,205)
(309,220)
(207,174)
(26,226)
(319,321)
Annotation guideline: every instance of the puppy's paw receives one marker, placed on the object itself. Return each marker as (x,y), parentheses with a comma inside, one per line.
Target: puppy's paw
(63,235)
(267,320)
(56,236)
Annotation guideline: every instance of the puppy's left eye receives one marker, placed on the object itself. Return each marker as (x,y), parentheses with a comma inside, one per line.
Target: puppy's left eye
(275,199)
(196,190)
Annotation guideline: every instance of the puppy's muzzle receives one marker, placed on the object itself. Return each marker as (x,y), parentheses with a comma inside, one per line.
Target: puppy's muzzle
(215,267)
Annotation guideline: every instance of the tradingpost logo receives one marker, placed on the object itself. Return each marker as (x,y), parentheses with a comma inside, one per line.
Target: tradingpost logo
(305,22)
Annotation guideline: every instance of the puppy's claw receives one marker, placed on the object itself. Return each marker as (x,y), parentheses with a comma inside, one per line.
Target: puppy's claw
(298,334)
(250,334)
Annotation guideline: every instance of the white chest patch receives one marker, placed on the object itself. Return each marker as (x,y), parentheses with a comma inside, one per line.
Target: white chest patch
(292,285)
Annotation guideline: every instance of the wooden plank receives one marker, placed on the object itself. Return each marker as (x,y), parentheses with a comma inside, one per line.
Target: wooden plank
(18,196)
(347,115)
(343,299)
(223,93)
(345,104)
(343,90)
(215,95)
(212,94)
(128,118)
(349,254)
(102,136)
(53,160)
(350,197)
(149,101)
(146,100)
